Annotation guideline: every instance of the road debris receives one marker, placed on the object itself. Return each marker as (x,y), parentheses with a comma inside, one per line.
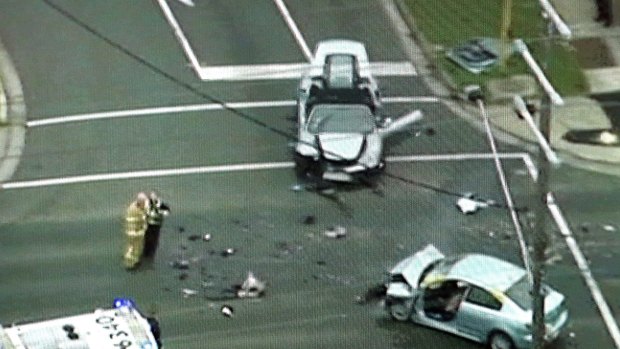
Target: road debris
(181,264)
(187,292)
(309,219)
(227,310)
(609,228)
(297,187)
(228,252)
(336,232)
(251,287)
(468,205)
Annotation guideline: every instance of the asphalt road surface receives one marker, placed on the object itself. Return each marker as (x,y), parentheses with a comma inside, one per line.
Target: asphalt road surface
(105,72)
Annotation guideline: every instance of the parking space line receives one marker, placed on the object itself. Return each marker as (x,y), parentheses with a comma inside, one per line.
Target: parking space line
(268,71)
(293,27)
(582,264)
(178,32)
(194,108)
(47,182)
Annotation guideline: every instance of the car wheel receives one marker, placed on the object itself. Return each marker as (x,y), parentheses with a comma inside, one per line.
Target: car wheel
(400,311)
(499,340)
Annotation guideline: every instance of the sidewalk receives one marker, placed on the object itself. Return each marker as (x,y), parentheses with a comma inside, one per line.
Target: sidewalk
(578,113)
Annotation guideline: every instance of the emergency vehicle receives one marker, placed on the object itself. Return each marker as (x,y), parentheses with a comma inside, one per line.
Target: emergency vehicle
(122,327)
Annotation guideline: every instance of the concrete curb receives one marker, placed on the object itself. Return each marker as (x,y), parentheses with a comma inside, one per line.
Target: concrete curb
(508,128)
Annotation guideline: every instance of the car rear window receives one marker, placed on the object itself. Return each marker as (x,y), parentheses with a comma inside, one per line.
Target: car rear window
(520,293)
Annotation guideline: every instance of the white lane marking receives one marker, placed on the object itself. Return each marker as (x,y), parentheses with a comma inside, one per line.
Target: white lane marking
(145,174)
(46,182)
(582,264)
(289,71)
(452,157)
(293,27)
(506,190)
(268,71)
(195,107)
(178,32)
(527,160)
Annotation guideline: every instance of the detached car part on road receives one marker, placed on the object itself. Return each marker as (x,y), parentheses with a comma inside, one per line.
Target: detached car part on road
(341,131)
(475,296)
(122,327)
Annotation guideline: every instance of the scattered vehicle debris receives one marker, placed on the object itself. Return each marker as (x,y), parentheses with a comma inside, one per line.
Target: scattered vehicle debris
(297,187)
(309,219)
(476,55)
(181,264)
(251,287)
(228,252)
(468,205)
(227,310)
(608,227)
(336,232)
(188,292)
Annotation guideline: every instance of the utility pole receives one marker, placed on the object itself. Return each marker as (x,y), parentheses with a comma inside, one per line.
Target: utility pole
(540,237)
(505,31)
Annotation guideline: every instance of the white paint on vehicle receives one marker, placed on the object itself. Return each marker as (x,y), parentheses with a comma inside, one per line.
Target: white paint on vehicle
(582,264)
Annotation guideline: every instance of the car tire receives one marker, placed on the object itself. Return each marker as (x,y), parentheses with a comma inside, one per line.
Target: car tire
(400,311)
(500,340)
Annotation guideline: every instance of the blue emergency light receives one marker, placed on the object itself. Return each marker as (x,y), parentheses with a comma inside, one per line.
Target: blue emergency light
(124,303)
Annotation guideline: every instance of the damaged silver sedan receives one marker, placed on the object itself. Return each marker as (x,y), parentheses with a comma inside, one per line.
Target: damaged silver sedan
(475,296)
(341,131)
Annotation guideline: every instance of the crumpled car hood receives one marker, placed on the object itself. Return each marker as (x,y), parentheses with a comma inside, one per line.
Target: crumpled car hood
(341,146)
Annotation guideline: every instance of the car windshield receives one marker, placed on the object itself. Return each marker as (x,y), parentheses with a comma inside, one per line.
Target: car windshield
(330,118)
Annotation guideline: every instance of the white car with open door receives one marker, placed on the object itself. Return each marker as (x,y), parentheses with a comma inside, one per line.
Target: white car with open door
(340,129)
(475,296)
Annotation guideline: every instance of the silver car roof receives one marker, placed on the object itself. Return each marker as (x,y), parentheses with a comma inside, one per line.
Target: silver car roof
(486,271)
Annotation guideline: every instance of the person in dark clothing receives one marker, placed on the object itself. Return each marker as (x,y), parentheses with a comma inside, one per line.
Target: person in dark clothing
(604,12)
(154,218)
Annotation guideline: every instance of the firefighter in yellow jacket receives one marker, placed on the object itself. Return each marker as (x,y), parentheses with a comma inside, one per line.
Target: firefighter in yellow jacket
(135,230)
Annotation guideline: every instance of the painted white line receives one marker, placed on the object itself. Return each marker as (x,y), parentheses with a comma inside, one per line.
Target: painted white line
(193,108)
(522,108)
(290,71)
(412,99)
(452,157)
(178,32)
(281,71)
(145,174)
(46,182)
(508,197)
(582,264)
(157,110)
(293,27)
(531,168)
